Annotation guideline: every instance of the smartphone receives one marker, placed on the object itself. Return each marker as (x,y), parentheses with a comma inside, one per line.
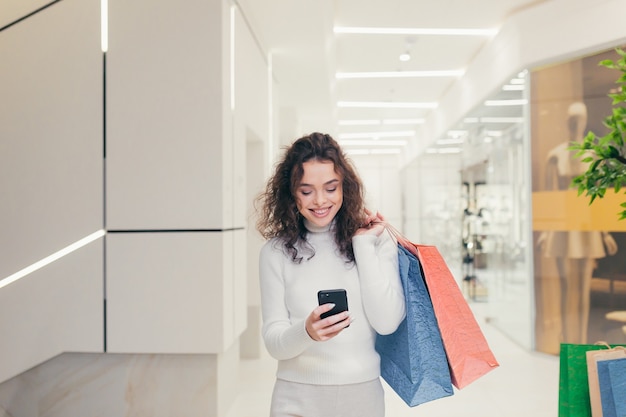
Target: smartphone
(338,297)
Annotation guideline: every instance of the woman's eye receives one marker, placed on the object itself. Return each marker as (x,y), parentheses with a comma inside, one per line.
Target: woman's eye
(305,192)
(332,190)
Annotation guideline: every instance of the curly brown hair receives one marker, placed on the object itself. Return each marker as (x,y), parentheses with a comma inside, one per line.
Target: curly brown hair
(279,215)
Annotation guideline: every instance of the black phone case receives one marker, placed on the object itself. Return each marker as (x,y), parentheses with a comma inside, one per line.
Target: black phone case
(338,297)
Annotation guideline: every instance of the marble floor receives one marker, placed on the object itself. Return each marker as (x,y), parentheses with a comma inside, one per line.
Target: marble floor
(525,384)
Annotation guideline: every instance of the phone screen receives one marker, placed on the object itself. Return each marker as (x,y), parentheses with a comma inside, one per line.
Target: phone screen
(338,297)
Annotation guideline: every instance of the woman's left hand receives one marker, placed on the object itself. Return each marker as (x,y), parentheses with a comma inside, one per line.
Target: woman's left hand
(374,224)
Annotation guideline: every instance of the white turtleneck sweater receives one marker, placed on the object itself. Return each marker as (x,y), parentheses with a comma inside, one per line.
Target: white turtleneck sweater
(289,295)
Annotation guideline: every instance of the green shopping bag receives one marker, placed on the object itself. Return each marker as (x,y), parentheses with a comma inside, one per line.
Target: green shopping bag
(574,380)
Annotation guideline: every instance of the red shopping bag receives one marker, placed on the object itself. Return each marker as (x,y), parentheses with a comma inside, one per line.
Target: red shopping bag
(469,355)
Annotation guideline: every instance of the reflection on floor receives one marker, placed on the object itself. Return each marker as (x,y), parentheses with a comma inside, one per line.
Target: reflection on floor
(525,384)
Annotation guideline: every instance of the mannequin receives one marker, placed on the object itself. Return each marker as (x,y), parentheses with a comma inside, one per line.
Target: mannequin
(575,252)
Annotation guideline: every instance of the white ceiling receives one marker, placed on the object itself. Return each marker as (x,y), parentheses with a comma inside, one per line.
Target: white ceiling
(306,55)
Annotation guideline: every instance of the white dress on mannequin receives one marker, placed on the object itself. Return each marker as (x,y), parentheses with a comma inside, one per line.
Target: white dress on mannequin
(577,244)
(574,251)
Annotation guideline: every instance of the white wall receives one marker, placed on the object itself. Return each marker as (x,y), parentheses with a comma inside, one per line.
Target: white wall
(380,176)
(172,196)
(50,182)
(254,129)
(169,130)
(11,11)
(172,167)
(433,204)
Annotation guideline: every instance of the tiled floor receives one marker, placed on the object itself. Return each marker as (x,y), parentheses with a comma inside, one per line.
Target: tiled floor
(525,384)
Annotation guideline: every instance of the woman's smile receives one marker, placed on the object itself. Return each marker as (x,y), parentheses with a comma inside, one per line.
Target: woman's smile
(321,212)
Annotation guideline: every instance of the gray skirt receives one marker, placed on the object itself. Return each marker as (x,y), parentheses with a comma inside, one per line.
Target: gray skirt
(292,399)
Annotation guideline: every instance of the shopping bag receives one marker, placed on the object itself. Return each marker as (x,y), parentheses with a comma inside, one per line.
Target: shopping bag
(413,359)
(612,380)
(593,356)
(574,398)
(467,350)
(617,371)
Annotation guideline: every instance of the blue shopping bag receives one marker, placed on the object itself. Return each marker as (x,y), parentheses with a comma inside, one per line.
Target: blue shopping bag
(413,359)
(612,381)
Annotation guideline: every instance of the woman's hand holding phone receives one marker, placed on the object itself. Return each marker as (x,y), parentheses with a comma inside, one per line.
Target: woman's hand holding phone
(319,325)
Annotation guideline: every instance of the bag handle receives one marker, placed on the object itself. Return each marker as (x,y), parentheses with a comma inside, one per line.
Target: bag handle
(399,237)
(603,343)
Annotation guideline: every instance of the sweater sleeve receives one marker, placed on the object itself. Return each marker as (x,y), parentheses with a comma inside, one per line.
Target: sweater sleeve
(283,338)
(381,289)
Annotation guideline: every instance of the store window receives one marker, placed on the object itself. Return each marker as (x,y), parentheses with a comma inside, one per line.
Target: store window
(543,265)
(579,250)
(476,207)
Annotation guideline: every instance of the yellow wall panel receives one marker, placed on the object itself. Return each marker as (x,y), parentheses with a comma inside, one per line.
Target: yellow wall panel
(566,210)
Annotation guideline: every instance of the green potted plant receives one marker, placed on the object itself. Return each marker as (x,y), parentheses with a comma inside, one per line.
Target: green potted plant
(606,155)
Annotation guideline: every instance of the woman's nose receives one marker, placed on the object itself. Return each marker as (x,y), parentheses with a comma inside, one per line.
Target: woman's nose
(320,199)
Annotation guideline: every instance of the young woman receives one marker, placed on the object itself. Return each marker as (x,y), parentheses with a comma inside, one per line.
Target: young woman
(320,237)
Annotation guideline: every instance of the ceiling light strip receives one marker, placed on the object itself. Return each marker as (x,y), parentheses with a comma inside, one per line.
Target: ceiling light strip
(499,103)
(372,143)
(390,151)
(400,74)
(364,122)
(376,122)
(414,31)
(358,151)
(501,119)
(49,259)
(488,119)
(443,150)
(104,25)
(396,134)
(450,141)
(513,87)
(403,121)
(387,104)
